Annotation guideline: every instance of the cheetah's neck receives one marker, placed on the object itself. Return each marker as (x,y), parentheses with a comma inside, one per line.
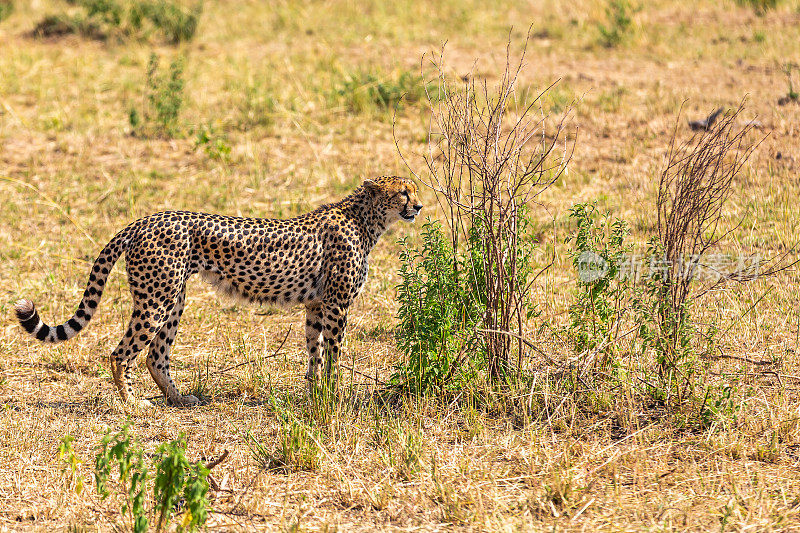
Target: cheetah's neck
(370,219)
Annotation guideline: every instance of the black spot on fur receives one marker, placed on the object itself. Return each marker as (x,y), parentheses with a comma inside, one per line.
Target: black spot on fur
(43,333)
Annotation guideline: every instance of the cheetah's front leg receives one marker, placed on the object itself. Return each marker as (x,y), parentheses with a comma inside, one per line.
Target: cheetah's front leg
(334,322)
(313,335)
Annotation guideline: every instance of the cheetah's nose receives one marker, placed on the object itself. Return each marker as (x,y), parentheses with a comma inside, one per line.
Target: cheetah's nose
(418,207)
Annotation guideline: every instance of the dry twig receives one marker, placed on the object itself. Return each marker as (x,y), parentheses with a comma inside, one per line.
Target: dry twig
(210,465)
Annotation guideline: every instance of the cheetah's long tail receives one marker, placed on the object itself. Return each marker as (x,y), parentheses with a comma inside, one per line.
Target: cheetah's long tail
(29,318)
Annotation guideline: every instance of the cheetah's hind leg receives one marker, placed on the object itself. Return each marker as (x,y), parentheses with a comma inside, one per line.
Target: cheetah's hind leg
(158,358)
(140,332)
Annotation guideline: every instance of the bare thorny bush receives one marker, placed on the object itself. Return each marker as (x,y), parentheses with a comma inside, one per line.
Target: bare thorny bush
(694,185)
(697,180)
(490,155)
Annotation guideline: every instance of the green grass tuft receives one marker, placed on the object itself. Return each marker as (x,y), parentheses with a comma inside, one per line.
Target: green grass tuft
(123,19)
(366,91)
(6,8)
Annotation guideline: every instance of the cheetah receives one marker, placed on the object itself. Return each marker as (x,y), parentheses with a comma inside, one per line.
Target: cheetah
(319,260)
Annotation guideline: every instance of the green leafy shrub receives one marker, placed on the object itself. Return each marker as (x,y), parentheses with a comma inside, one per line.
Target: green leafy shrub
(617,327)
(486,171)
(165,17)
(597,253)
(122,451)
(623,316)
(162,103)
(437,308)
(178,479)
(443,304)
(102,11)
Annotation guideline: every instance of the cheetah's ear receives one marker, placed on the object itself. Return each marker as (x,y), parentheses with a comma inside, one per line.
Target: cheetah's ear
(373,188)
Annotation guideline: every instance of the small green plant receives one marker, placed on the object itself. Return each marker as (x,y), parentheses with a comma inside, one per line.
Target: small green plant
(365,91)
(597,253)
(103,11)
(6,8)
(162,103)
(166,17)
(214,145)
(618,23)
(71,463)
(791,94)
(176,479)
(122,451)
(719,405)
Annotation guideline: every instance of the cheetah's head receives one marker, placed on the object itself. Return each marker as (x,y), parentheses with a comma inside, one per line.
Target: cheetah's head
(398,196)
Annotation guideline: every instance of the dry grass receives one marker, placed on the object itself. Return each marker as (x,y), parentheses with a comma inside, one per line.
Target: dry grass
(263,75)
